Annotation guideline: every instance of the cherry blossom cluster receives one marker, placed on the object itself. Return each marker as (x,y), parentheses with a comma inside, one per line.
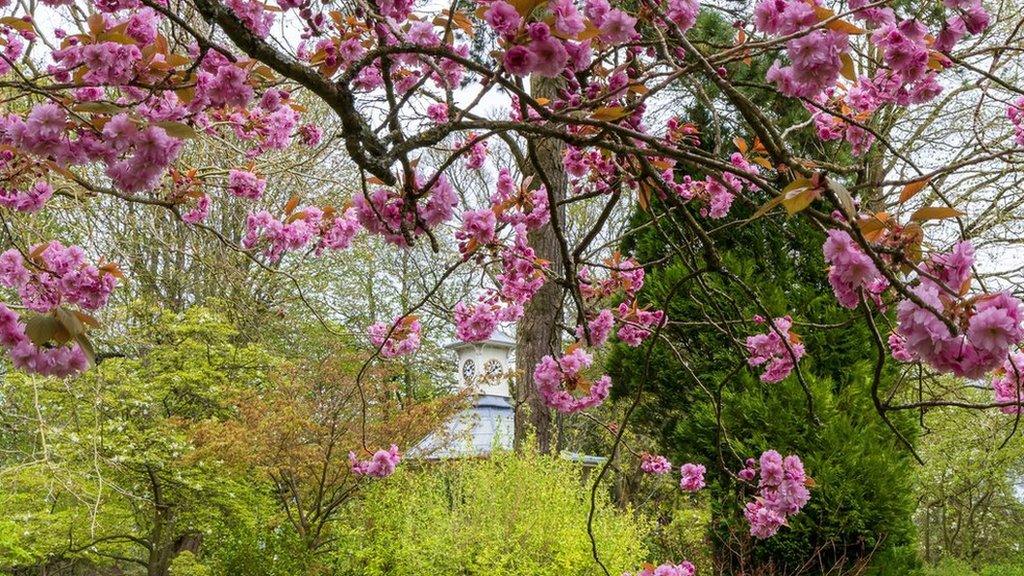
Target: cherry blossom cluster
(56,275)
(477,230)
(329,55)
(476,322)
(560,380)
(1009,384)
(654,464)
(52,278)
(625,275)
(520,204)
(59,361)
(404,336)
(13,46)
(383,211)
(245,184)
(28,200)
(851,272)
(987,324)
(532,47)
(782,492)
(296,228)
(522,274)
(666,569)
(521,277)
(637,323)
(778,349)
(691,477)
(381,465)
(716,192)
(911,59)
(1016,114)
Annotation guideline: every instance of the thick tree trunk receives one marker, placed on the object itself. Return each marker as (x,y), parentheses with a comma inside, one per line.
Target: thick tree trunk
(537,332)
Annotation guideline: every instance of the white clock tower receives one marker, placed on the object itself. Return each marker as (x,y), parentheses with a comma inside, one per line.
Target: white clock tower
(485,367)
(487,424)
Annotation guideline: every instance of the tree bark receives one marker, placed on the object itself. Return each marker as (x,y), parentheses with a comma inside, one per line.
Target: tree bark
(537,331)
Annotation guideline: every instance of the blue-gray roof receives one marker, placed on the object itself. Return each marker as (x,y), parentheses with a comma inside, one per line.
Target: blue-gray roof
(476,431)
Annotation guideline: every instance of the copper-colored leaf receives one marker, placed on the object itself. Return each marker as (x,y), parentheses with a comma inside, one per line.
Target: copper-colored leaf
(72,324)
(740,144)
(643,198)
(87,348)
(17,23)
(609,113)
(96,24)
(175,60)
(799,199)
(848,70)
(526,7)
(872,226)
(934,213)
(938,61)
(97,108)
(290,206)
(111,36)
(838,25)
(912,188)
(87,319)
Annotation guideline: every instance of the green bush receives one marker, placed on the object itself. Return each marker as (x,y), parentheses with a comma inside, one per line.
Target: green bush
(508,515)
(186,564)
(950,566)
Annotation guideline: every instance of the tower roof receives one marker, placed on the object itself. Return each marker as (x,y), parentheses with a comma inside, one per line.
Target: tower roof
(499,340)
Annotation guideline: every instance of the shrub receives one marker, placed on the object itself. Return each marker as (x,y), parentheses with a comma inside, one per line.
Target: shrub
(511,514)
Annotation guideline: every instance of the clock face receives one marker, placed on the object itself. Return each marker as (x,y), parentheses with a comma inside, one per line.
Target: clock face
(492,367)
(468,369)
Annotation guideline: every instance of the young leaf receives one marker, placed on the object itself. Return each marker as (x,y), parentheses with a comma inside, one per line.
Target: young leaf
(177,129)
(912,188)
(290,206)
(17,23)
(845,199)
(41,329)
(609,113)
(799,199)
(849,71)
(741,144)
(934,213)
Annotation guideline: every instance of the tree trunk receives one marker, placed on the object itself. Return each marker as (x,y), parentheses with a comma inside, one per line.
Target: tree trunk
(537,332)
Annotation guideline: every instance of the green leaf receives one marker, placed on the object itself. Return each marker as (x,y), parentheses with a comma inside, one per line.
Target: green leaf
(41,329)
(177,129)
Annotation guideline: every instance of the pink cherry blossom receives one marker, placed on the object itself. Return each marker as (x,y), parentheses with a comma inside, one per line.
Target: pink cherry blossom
(782,492)
(692,477)
(558,380)
(1008,385)
(769,349)
(404,336)
(245,184)
(654,464)
(667,569)
(381,465)
(851,272)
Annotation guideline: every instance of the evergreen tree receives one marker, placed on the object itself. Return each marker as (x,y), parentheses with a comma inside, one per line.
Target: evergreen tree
(703,404)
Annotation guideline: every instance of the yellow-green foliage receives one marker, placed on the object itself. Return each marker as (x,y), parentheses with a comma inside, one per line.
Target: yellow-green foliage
(508,515)
(186,564)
